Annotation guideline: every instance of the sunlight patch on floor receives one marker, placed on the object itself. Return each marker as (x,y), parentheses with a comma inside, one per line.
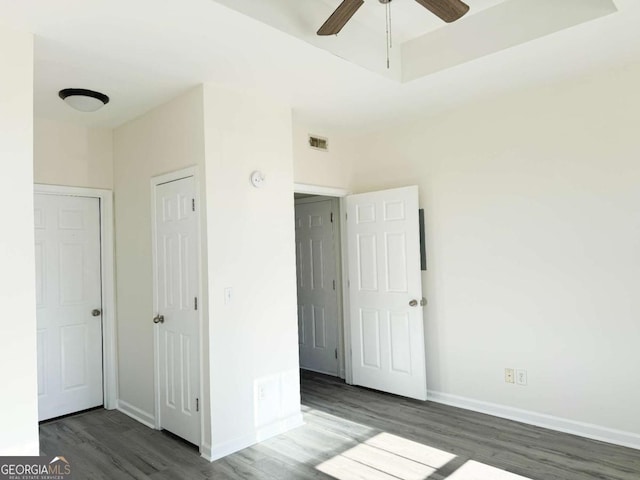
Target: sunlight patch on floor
(386,457)
(389,457)
(472,470)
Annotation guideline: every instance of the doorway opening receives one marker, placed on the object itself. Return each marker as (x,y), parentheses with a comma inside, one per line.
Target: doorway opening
(319,284)
(381,323)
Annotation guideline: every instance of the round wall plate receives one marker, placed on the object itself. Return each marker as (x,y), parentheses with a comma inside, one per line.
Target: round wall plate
(257,178)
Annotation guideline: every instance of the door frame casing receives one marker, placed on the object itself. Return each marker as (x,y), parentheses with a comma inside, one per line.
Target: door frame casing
(107,263)
(187,172)
(345,325)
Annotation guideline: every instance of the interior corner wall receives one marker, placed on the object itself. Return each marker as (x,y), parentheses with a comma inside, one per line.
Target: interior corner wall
(166,139)
(533,226)
(72,155)
(255,391)
(332,168)
(19,400)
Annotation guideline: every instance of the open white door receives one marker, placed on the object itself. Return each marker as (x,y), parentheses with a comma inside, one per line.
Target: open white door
(385,292)
(176,303)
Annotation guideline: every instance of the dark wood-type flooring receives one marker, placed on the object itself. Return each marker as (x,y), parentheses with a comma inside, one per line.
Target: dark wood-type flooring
(350,433)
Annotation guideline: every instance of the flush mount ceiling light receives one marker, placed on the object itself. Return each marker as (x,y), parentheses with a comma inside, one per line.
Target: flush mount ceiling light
(83,100)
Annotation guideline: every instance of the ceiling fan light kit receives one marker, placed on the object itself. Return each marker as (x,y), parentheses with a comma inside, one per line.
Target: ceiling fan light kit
(83,100)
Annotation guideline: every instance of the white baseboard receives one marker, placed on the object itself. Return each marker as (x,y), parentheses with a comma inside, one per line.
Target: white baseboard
(595,432)
(137,414)
(281,426)
(205,451)
(260,434)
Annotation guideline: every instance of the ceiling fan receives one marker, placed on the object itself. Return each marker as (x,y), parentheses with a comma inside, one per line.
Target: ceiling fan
(447,10)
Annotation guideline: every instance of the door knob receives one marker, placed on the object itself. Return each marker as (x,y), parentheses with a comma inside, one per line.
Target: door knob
(96,312)
(414,302)
(158,319)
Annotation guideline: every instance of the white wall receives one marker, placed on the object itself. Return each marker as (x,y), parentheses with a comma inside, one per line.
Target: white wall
(72,155)
(248,243)
(332,168)
(166,139)
(533,231)
(18,402)
(251,249)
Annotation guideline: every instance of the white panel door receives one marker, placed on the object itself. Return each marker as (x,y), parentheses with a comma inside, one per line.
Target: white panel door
(176,235)
(317,287)
(385,292)
(68,297)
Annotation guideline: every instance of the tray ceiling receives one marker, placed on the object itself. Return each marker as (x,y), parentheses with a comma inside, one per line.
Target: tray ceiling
(423,44)
(143,53)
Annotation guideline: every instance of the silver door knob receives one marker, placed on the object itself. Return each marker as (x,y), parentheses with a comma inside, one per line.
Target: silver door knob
(158,319)
(414,302)
(96,312)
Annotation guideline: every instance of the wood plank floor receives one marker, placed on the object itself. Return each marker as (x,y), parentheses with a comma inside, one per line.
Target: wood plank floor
(350,433)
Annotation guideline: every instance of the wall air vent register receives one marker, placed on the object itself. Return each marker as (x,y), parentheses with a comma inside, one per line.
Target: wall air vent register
(318,143)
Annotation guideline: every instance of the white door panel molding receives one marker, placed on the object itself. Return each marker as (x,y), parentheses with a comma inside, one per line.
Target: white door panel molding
(385,292)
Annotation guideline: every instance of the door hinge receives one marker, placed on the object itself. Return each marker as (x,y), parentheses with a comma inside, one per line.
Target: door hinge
(348,283)
(193,204)
(346,216)
(334,284)
(331,217)
(195,303)
(197,404)
(336,353)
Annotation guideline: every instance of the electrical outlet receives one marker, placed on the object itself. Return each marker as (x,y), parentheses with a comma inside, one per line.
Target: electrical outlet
(261,393)
(509,376)
(521,377)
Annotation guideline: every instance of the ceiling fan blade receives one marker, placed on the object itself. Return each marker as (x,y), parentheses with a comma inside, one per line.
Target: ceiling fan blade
(340,17)
(447,10)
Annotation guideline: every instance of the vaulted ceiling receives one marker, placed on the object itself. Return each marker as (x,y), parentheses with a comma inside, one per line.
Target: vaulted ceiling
(145,52)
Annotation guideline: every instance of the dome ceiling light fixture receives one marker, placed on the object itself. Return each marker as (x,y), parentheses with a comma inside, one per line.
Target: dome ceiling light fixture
(83,100)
